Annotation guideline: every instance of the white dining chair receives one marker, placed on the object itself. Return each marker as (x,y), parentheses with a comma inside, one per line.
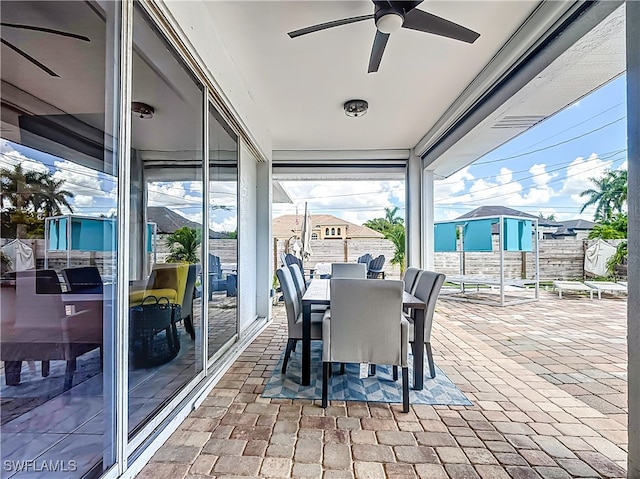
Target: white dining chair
(365,325)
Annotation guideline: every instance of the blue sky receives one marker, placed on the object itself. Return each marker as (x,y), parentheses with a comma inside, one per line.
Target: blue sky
(543,170)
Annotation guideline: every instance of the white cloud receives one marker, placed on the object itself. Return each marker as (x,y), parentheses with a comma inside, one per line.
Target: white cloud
(504,190)
(456,183)
(578,177)
(11,158)
(83,200)
(354,201)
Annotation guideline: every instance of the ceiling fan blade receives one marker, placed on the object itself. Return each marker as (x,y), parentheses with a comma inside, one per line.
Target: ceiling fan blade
(29,57)
(429,23)
(379,44)
(46,30)
(324,26)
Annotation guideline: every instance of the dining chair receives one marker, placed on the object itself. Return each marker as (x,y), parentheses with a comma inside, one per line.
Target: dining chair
(186,302)
(411,278)
(427,289)
(348,270)
(301,288)
(293,306)
(365,325)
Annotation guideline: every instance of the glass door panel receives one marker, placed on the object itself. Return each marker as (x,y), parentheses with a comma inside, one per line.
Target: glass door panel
(223,234)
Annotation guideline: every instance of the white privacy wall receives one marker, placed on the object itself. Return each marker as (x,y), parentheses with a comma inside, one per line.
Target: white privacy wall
(247,234)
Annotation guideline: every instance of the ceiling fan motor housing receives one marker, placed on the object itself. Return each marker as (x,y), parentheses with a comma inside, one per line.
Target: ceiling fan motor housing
(388,18)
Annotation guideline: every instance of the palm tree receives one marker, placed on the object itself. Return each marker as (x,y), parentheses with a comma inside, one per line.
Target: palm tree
(390,216)
(609,195)
(183,245)
(28,196)
(50,197)
(396,234)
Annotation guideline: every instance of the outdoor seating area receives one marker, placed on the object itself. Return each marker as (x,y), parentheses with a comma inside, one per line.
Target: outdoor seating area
(539,406)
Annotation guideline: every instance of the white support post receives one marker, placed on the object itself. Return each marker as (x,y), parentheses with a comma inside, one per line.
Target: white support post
(428,218)
(413,211)
(633,270)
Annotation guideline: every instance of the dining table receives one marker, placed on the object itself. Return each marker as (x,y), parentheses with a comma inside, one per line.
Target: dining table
(319,293)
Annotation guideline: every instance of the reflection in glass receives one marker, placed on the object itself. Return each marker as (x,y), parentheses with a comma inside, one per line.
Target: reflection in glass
(58,235)
(165,318)
(223,234)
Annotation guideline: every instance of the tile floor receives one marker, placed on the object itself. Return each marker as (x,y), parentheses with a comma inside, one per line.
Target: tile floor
(547,381)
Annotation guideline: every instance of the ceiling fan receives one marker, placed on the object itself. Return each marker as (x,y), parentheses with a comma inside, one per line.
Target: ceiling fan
(38,29)
(389,17)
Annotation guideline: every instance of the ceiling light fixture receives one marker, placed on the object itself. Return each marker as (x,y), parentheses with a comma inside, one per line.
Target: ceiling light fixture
(356,107)
(142,110)
(389,22)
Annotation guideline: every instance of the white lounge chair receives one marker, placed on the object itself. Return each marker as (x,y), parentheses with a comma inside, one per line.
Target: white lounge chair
(561,286)
(609,286)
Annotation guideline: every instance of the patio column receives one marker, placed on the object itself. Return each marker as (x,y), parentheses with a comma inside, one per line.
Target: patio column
(413,210)
(264,245)
(428,217)
(633,305)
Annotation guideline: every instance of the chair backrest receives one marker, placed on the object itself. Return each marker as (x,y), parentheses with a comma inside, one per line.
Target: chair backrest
(348,270)
(293,259)
(298,280)
(365,322)
(365,258)
(187,300)
(410,278)
(182,273)
(376,267)
(291,300)
(215,268)
(427,289)
(38,300)
(84,279)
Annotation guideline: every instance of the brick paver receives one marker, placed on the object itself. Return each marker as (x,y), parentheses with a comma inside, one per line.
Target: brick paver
(547,381)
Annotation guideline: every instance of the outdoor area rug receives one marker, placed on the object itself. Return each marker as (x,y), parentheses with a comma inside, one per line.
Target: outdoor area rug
(349,387)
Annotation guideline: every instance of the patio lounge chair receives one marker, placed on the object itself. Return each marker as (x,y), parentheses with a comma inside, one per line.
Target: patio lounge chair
(606,286)
(576,286)
(375,268)
(366,259)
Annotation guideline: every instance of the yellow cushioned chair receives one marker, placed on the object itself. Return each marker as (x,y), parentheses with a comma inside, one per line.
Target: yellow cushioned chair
(167,280)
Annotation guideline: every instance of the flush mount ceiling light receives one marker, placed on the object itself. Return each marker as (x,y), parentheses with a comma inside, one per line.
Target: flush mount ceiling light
(356,107)
(142,110)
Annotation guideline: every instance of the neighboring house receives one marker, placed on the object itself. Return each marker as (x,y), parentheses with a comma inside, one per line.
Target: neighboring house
(324,227)
(574,229)
(569,229)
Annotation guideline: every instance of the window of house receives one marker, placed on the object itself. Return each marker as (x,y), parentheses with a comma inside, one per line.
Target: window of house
(333,231)
(314,236)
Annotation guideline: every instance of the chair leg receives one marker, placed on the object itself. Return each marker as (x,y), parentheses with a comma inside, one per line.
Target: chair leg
(405,389)
(326,367)
(46,367)
(188,326)
(432,368)
(341,368)
(68,374)
(291,345)
(372,369)
(12,371)
(395,373)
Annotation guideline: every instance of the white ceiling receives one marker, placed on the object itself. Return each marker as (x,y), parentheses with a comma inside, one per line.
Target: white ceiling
(301,84)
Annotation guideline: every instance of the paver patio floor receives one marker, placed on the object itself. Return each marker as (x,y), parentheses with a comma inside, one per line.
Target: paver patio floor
(547,381)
